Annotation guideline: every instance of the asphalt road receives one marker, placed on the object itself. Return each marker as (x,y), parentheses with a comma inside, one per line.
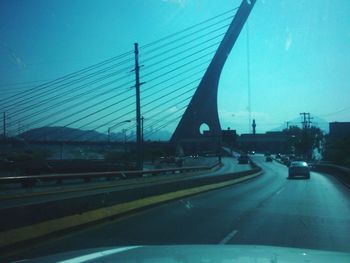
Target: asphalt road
(269,210)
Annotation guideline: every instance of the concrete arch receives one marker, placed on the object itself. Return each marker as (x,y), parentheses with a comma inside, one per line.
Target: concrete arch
(203,105)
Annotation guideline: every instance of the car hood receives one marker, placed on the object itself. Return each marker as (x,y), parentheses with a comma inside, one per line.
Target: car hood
(197,253)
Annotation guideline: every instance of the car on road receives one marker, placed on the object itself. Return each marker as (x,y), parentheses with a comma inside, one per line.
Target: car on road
(194,156)
(243,159)
(268,158)
(299,169)
(286,160)
(167,159)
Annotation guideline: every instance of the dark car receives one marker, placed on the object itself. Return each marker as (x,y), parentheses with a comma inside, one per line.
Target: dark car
(243,159)
(286,161)
(299,169)
(268,158)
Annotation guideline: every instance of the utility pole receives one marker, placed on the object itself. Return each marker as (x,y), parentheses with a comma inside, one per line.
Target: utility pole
(139,165)
(248,79)
(309,118)
(254,126)
(142,141)
(306,123)
(4,124)
(306,120)
(124,132)
(287,122)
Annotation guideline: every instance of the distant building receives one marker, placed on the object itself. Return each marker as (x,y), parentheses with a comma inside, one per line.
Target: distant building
(339,129)
(269,141)
(229,137)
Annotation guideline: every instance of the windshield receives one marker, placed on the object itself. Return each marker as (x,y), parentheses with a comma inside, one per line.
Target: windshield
(168,122)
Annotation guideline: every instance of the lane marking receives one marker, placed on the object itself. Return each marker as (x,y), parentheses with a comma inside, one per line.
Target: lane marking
(228,237)
(279,191)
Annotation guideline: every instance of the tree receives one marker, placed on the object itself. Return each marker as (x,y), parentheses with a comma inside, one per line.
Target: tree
(304,141)
(337,150)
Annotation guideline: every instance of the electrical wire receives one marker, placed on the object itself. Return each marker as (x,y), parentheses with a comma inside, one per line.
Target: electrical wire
(69,76)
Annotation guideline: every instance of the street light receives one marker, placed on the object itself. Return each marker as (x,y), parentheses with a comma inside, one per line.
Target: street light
(142,143)
(112,127)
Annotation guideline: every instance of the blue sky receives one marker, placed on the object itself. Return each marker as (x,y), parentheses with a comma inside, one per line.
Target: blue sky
(299,50)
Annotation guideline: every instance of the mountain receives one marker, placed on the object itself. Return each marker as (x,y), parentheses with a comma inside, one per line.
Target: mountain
(162,135)
(316,121)
(63,134)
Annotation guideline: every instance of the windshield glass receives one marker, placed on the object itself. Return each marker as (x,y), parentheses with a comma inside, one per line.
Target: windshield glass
(173,122)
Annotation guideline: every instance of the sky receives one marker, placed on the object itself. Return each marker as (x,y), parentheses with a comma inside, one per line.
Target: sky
(299,51)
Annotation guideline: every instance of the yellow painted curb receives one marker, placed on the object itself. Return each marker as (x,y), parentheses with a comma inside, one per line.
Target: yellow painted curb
(48,227)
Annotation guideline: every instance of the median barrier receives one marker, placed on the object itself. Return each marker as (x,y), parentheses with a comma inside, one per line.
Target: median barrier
(340,172)
(22,224)
(32,180)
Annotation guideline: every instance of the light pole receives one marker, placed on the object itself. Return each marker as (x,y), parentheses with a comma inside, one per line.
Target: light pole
(112,127)
(142,144)
(219,147)
(124,132)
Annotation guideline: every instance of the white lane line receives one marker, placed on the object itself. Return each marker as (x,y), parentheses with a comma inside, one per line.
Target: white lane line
(279,191)
(228,237)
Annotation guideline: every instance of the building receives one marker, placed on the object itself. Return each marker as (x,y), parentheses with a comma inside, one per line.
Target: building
(339,129)
(229,137)
(274,142)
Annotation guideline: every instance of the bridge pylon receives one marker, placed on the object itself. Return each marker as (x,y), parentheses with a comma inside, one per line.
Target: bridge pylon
(202,108)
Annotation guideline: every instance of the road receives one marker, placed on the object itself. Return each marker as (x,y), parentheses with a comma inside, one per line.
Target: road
(230,165)
(269,210)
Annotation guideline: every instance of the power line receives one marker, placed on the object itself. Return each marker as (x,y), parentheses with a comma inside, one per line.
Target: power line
(21,83)
(162,126)
(335,112)
(122,116)
(67,85)
(162,111)
(189,28)
(181,59)
(179,67)
(80,103)
(69,76)
(159,75)
(182,38)
(123,100)
(171,70)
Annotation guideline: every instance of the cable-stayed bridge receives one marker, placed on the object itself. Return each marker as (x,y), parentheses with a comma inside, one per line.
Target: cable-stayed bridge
(101,97)
(111,214)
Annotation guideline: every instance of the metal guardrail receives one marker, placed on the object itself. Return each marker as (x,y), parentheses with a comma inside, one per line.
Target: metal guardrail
(32,180)
(340,172)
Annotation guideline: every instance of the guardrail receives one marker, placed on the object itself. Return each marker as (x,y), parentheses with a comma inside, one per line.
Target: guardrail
(21,216)
(340,172)
(32,180)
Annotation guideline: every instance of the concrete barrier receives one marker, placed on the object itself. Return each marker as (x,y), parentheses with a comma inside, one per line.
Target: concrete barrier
(32,180)
(340,172)
(23,224)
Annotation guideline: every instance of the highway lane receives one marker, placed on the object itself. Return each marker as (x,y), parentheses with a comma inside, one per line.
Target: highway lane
(269,210)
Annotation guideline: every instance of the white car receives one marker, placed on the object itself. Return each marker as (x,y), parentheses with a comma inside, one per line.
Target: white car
(298,169)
